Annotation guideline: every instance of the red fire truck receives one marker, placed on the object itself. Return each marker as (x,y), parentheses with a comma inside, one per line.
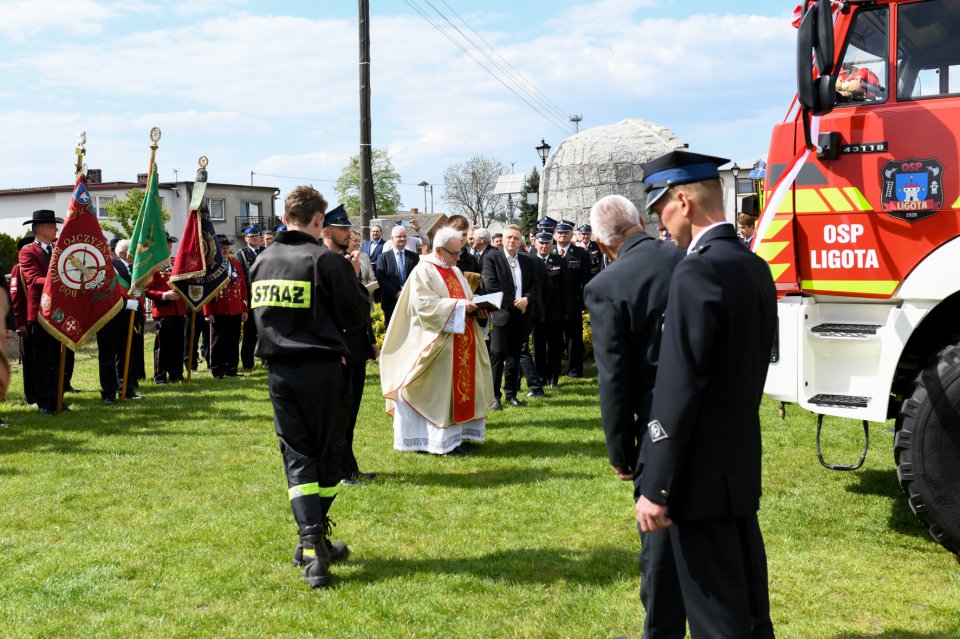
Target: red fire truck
(861,228)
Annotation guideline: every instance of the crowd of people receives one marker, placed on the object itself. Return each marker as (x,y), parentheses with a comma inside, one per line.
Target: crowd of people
(679,393)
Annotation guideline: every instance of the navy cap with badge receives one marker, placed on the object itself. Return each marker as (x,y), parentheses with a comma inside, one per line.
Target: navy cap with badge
(564,226)
(544,236)
(336,216)
(677,167)
(586,228)
(546,222)
(282,227)
(250,231)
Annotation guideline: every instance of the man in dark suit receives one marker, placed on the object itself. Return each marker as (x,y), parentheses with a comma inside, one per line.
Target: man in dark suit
(374,246)
(578,267)
(34,260)
(482,246)
(700,476)
(112,340)
(626,303)
(124,267)
(555,305)
(510,271)
(246,256)
(392,270)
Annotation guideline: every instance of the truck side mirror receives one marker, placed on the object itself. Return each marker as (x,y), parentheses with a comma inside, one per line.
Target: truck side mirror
(815,48)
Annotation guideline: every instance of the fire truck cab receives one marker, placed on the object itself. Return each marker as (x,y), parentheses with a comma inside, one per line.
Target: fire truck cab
(862,233)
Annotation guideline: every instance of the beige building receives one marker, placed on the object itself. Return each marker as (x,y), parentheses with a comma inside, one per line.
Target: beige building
(233,207)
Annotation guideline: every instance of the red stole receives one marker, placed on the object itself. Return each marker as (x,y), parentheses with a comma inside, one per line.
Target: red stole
(464,356)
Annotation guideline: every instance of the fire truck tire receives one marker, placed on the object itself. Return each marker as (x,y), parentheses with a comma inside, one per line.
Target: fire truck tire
(927,448)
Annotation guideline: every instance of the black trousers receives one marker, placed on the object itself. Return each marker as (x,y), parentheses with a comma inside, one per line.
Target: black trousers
(722,569)
(138,369)
(529,370)
(69,358)
(358,379)
(224,345)
(111,349)
(573,334)
(45,354)
(311,404)
(26,359)
(249,343)
(168,348)
(505,344)
(660,588)
(200,329)
(548,349)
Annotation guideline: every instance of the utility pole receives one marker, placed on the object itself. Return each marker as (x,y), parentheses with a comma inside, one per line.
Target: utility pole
(366,151)
(576,119)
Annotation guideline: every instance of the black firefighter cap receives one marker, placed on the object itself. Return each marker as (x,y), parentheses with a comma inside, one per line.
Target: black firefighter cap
(336,216)
(677,167)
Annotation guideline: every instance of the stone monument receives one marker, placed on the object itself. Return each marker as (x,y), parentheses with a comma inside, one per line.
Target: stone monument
(602,161)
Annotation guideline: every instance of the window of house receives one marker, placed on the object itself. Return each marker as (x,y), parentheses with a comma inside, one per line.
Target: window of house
(862,77)
(217,209)
(250,209)
(928,51)
(100,203)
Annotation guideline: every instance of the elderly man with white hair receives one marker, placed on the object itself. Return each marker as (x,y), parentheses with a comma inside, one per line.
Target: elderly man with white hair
(434,366)
(626,302)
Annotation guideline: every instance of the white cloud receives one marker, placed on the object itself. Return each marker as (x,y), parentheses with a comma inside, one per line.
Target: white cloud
(278,94)
(23,19)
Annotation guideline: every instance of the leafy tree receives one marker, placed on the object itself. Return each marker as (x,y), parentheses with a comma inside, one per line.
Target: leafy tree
(386,180)
(123,214)
(8,252)
(468,189)
(529,213)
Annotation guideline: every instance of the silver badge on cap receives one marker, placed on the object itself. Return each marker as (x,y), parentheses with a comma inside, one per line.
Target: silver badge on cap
(657,431)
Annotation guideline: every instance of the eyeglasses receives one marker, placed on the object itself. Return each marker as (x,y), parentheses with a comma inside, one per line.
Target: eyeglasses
(449,252)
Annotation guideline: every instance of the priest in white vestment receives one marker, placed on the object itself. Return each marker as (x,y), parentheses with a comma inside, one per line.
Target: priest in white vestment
(434,366)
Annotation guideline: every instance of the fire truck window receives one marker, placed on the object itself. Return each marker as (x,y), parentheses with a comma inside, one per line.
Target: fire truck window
(863,71)
(928,51)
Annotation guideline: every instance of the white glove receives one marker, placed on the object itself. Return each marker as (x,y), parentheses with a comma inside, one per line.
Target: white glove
(133,305)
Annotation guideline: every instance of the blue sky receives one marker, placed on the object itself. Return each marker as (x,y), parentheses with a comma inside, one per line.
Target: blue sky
(271,87)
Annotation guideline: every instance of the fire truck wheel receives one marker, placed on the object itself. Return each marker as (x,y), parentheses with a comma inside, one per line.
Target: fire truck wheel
(927,448)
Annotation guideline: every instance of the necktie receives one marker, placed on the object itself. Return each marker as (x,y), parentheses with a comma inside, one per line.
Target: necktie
(48,250)
(401,268)
(563,252)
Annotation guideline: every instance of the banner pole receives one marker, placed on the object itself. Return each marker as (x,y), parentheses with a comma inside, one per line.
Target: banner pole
(63,363)
(126,357)
(193,330)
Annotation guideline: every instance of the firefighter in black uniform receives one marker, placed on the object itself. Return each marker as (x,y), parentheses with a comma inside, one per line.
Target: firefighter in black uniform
(702,459)
(592,249)
(555,296)
(578,266)
(303,297)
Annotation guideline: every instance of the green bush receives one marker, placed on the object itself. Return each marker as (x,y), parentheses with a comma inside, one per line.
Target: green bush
(8,252)
(587,337)
(379,324)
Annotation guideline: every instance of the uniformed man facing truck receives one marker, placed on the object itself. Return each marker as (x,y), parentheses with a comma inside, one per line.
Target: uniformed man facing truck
(303,296)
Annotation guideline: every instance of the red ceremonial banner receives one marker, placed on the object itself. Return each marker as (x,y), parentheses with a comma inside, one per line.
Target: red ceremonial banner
(82,292)
(464,357)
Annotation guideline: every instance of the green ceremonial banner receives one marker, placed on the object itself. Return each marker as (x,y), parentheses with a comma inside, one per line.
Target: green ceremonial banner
(148,245)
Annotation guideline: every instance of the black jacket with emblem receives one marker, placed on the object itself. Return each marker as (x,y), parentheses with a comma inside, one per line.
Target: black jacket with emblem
(304,296)
(578,267)
(703,457)
(555,290)
(626,302)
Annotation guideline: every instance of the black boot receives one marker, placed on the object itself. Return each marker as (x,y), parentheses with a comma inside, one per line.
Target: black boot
(338,550)
(313,541)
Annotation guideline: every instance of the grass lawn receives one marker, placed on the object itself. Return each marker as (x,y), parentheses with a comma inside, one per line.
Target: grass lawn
(169,518)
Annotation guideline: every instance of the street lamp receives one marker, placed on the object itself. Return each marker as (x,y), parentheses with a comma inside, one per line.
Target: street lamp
(425,184)
(543,149)
(735,170)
